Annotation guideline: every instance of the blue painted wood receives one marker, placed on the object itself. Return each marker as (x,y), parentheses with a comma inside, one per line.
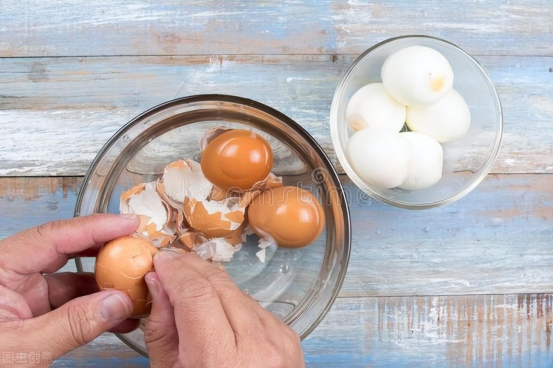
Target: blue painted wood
(58,112)
(138,27)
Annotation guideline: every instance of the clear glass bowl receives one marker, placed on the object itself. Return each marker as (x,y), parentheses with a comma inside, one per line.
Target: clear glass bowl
(299,285)
(466,161)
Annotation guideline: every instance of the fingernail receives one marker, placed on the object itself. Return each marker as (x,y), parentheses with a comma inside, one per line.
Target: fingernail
(165,254)
(153,286)
(114,308)
(129,216)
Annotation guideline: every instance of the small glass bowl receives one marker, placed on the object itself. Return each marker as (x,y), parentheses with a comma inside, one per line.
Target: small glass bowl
(299,285)
(466,161)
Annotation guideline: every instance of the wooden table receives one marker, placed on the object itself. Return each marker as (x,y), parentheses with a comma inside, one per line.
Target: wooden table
(469,284)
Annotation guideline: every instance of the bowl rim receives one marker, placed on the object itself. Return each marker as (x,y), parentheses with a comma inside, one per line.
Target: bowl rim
(342,268)
(340,154)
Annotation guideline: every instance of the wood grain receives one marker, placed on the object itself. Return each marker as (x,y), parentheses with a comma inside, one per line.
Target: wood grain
(498,239)
(429,331)
(74,28)
(56,113)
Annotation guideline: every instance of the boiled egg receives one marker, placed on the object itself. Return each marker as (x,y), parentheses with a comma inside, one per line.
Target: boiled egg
(122,264)
(380,157)
(447,120)
(372,106)
(287,216)
(426,164)
(417,75)
(237,159)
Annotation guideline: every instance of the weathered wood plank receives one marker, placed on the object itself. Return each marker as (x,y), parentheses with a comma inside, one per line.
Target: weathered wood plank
(498,239)
(430,331)
(56,113)
(74,28)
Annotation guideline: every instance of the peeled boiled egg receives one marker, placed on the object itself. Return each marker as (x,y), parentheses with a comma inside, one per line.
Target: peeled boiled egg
(417,75)
(288,216)
(122,264)
(372,106)
(426,165)
(238,159)
(447,120)
(380,157)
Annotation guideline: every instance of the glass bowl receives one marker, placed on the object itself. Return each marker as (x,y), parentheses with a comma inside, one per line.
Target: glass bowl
(299,285)
(466,161)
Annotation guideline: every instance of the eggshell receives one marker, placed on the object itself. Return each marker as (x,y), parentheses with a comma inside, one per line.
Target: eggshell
(287,216)
(184,178)
(417,75)
(217,249)
(213,218)
(122,264)
(447,120)
(380,157)
(426,164)
(372,106)
(237,159)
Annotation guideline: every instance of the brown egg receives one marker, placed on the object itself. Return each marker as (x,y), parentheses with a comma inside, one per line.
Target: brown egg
(122,264)
(289,216)
(237,158)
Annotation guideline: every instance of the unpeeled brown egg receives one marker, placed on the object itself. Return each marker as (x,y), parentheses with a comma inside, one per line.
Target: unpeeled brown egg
(237,158)
(122,264)
(288,216)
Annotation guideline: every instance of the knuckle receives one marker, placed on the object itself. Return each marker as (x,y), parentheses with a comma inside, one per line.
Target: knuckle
(80,320)
(216,275)
(197,288)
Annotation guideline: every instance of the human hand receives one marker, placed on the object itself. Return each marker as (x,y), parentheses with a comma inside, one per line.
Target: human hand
(42,315)
(200,318)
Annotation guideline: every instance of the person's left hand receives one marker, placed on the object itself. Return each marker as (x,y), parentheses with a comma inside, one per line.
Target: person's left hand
(42,315)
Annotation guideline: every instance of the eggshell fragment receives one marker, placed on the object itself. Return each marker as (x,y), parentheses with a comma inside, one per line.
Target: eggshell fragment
(372,106)
(213,218)
(447,120)
(122,264)
(417,75)
(380,157)
(155,214)
(426,165)
(217,249)
(184,178)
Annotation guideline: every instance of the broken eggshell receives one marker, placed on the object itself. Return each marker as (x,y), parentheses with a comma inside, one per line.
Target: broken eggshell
(182,179)
(213,218)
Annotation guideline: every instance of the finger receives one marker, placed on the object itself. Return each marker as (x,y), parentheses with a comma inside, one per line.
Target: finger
(160,332)
(46,248)
(199,316)
(63,287)
(239,309)
(13,306)
(79,321)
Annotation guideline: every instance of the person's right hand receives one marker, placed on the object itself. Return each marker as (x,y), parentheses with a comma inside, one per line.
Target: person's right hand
(200,318)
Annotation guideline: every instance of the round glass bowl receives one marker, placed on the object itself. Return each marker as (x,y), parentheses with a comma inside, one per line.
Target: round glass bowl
(299,285)
(466,161)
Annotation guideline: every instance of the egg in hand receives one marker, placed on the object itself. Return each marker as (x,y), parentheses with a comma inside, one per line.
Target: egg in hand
(417,75)
(122,264)
(372,106)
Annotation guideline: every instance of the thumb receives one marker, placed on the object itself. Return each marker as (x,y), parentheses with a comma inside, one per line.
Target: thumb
(81,320)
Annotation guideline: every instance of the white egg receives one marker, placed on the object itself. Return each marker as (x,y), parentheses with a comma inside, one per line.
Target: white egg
(447,120)
(417,75)
(380,157)
(372,106)
(426,164)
